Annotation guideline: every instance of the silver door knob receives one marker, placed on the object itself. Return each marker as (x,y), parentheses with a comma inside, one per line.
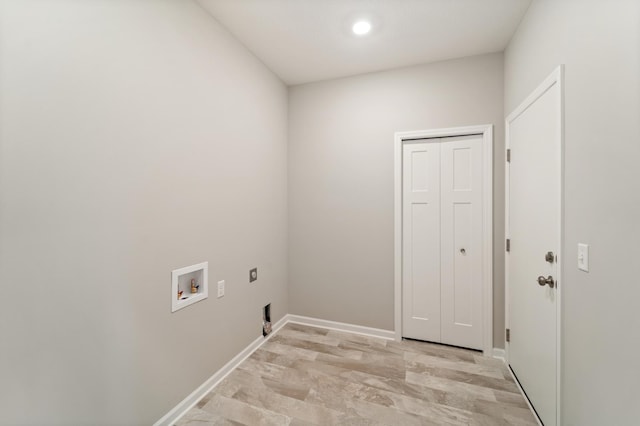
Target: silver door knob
(546,281)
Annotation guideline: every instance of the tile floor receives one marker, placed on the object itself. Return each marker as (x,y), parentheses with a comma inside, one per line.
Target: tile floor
(311,376)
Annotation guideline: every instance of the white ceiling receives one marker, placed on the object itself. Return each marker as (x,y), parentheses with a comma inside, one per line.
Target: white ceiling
(310,40)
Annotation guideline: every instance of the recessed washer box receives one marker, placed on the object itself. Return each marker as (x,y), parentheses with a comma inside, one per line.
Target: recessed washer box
(184,292)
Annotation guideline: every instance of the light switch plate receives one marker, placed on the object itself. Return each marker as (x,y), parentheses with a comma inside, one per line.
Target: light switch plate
(220,289)
(583,257)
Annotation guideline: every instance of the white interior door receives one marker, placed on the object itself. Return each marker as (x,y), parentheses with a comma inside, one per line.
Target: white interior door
(421,241)
(442,252)
(461,241)
(534,220)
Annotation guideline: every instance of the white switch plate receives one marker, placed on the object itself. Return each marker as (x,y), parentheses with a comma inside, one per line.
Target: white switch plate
(220,289)
(583,257)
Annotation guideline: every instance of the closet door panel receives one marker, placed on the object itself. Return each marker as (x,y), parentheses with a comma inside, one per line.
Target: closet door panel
(461,241)
(421,241)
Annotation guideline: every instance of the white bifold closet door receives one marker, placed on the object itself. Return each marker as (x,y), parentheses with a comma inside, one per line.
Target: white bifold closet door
(442,241)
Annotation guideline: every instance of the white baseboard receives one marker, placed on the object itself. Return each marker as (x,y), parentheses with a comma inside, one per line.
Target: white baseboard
(190,401)
(341,326)
(500,354)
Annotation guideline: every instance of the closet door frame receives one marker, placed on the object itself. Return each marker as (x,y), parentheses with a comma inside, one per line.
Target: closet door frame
(487,221)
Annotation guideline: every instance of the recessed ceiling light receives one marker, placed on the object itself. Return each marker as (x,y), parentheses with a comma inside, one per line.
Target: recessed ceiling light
(361,27)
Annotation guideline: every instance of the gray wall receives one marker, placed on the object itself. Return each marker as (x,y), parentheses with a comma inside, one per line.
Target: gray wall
(599,42)
(136,137)
(341,180)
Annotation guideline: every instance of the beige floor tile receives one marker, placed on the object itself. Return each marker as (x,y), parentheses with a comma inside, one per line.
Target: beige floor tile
(311,376)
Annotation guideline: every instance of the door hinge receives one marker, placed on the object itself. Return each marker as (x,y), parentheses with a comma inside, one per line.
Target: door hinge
(508,155)
(508,335)
(508,244)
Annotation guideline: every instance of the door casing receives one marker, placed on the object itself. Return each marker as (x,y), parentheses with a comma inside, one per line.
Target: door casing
(487,221)
(555,78)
